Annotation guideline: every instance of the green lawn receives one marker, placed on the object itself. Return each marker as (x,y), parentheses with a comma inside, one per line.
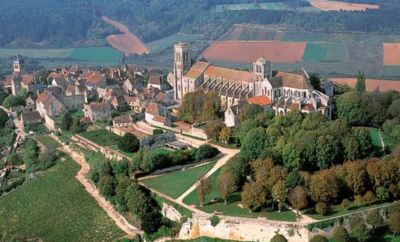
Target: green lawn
(101,137)
(56,207)
(376,140)
(176,183)
(204,239)
(214,202)
(48,142)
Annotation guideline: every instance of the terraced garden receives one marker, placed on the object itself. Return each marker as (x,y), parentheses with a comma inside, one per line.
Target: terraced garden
(101,137)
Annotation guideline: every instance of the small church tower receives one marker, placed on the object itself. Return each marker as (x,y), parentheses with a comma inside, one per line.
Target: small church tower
(17,76)
(182,63)
(262,69)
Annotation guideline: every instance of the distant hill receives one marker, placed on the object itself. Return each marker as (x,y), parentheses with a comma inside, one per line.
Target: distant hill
(71,23)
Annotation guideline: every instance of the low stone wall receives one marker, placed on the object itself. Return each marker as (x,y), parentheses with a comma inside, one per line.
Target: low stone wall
(171,213)
(242,229)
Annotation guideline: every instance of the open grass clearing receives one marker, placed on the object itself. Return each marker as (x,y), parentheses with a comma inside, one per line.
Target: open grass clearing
(101,137)
(326,52)
(56,207)
(48,142)
(176,183)
(214,203)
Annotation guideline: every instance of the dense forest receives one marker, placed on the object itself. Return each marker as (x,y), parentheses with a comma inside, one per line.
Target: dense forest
(55,23)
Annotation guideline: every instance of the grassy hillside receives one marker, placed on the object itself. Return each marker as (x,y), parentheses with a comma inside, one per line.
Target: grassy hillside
(55,207)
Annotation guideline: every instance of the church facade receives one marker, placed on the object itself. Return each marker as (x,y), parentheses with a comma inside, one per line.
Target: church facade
(287,91)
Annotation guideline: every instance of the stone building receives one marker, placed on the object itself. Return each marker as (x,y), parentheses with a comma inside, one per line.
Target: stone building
(287,91)
(98,111)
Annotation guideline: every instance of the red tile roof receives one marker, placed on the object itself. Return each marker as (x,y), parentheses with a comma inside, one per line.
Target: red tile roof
(260,100)
(100,106)
(231,74)
(197,69)
(155,80)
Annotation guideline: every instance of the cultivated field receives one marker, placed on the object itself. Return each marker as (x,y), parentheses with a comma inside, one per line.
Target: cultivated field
(391,54)
(327,5)
(55,207)
(249,51)
(371,84)
(276,6)
(329,54)
(126,42)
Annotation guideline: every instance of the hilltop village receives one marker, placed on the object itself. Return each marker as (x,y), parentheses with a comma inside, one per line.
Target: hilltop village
(206,150)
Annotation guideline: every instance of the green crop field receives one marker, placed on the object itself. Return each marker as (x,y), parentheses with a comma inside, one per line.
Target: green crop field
(277,6)
(326,51)
(56,207)
(37,53)
(213,202)
(176,183)
(101,137)
(48,142)
(96,54)
(160,45)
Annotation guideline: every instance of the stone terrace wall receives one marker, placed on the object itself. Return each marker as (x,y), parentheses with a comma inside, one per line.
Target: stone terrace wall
(242,229)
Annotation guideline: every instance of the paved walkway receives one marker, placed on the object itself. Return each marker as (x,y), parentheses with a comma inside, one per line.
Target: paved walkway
(106,205)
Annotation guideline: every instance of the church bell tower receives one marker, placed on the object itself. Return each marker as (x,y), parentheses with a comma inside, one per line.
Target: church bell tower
(182,64)
(16,77)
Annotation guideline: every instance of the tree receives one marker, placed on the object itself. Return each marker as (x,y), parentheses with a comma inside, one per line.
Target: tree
(280,193)
(205,152)
(360,84)
(374,218)
(203,188)
(12,101)
(324,186)
(321,208)
(129,143)
(254,195)
(394,109)
(315,81)
(77,127)
(327,151)
(67,121)
(358,229)
(350,108)
(226,185)
(214,129)
(278,238)
(253,143)
(225,135)
(106,186)
(382,194)
(3,118)
(298,198)
(340,234)
(319,238)
(394,222)
(356,177)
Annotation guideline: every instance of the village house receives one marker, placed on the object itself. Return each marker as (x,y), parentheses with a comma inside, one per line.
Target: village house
(93,79)
(48,105)
(231,116)
(262,101)
(132,87)
(30,117)
(157,82)
(158,115)
(97,111)
(122,121)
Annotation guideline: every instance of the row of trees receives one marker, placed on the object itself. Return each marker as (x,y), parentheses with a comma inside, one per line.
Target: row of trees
(199,107)
(151,160)
(114,183)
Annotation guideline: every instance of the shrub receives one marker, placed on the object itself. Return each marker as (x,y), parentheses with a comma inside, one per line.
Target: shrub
(318,238)
(382,194)
(206,152)
(215,220)
(340,234)
(321,208)
(157,131)
(278,238)
(129,143)
(345,203)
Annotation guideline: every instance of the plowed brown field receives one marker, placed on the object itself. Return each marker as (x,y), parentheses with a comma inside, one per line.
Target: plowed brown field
(338,6)
(126,42)
(250,51)
(391,54)
(371,84)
